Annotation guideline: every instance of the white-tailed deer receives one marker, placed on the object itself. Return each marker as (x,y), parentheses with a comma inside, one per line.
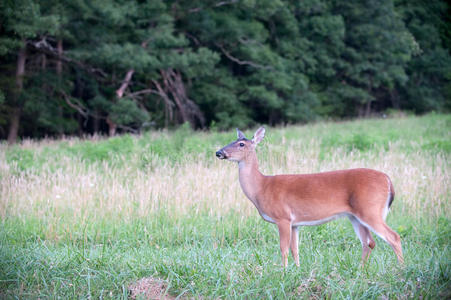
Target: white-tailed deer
(289,201)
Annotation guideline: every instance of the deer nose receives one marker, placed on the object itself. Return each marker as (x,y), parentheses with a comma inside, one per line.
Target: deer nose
(219,154)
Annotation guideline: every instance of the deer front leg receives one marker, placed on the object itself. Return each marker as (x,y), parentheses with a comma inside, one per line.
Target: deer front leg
(285,237)
(294,244)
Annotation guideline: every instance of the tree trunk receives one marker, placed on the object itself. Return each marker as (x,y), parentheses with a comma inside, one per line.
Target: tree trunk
(368,109)
(59,71)
(79,93)
(368,104)
(111,127)
(360,110)
(43,61)
(394,97)
(80,125)
(59,63)
(172,83)
(188,109)
(95,123)
(119,93)
(16,111)
(14,125)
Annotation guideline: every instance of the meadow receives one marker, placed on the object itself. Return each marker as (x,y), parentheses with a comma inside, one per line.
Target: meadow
(89,218)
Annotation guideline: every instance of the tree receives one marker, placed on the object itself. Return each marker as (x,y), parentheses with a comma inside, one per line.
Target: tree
(376,51)
(429,69)
(22,22)
(138,44)
(261,75)
(112,66)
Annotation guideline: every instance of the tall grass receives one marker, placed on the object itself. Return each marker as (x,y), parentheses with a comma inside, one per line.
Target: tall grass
(83,218)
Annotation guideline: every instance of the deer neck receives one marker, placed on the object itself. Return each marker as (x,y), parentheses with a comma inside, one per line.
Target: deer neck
(251,180)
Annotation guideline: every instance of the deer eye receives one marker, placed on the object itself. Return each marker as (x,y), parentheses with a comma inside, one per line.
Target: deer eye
(241,144)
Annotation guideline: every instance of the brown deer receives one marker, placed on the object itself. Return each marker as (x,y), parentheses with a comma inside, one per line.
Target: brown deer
(290,201)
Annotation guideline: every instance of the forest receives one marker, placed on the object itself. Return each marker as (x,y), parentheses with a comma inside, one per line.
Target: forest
(84,67)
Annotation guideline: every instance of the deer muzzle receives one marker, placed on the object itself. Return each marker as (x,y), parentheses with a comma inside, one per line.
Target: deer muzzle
(220,154)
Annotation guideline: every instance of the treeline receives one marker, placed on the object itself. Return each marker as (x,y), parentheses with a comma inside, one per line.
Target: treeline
(83,67)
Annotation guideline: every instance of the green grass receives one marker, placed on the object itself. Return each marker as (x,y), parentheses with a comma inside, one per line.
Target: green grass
(430,133)
(227,257)
(62,247)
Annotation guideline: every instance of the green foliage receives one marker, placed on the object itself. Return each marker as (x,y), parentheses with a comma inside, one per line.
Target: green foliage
(438,145)
(126,112)
(104,150)
(355,142)
(359,141)
(427,70)
(229,64)
(22,159)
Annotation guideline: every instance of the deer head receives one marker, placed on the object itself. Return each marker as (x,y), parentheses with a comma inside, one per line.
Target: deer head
(242,147)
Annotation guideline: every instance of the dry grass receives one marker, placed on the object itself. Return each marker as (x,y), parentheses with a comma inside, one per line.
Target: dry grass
(150,289)
(100,190)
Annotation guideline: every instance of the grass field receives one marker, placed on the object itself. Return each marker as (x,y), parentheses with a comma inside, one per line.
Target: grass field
(89,218)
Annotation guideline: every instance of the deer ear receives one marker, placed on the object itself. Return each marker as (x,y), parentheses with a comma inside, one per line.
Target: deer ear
(240,134)
(258,135)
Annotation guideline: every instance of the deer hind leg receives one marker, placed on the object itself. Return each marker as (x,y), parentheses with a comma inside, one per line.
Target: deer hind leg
(380,228)
(285,237)
(365,237)
(294,244)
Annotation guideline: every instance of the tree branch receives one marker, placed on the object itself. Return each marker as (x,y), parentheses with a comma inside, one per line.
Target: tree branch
(168,105)
(128,128)
(82,110)
(125,83)
(143,92)
(77,106)
(242,62)
(44,47)
(225,3)
(221,3)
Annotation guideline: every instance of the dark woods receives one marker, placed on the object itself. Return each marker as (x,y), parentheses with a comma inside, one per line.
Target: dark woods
(83,67)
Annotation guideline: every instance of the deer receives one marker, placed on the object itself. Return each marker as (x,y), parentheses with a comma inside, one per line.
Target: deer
(289,201)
